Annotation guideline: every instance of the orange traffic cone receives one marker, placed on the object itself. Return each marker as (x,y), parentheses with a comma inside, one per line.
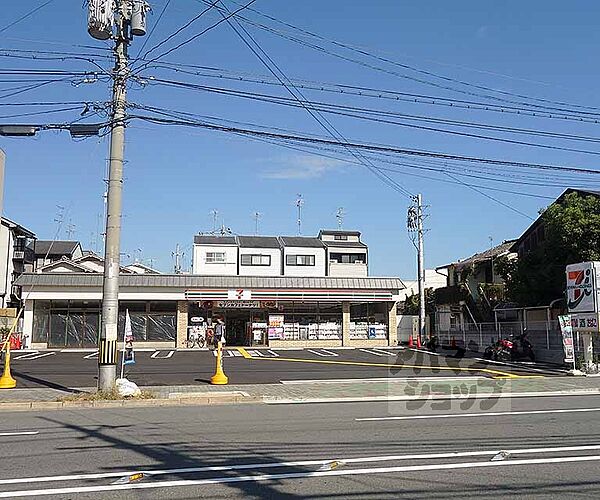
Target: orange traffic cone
(418,342)
(410,341)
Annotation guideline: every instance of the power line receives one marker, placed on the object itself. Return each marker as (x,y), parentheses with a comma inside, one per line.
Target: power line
(25,16)
(323,122)
(396,63)
(366,146)
(191,39)
(162,12)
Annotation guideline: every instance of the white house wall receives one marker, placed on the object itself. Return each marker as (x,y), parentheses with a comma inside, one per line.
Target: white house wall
(317,270)
(229,268)
(273,270)
(6,249)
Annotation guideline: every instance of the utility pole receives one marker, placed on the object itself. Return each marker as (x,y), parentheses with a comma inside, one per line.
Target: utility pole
(119,20)
(415,226)
(177,256)
(299,203)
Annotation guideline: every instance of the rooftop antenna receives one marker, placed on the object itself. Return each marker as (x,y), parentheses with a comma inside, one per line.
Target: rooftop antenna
(339,215)
(59,219)
(139,256)
(70,231)
(491,241)
(256,216)
(177,255)
(215,216)
(299,204)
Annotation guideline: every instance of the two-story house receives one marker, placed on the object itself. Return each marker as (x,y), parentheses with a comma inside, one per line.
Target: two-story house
(303,256)
(16,257)
(215,255)
(49,251)
(346,254)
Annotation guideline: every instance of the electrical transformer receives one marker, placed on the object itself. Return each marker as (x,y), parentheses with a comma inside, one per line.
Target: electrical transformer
(100,18)
(138,17)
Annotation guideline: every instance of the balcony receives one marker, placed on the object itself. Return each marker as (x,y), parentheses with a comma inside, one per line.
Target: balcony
(24,254)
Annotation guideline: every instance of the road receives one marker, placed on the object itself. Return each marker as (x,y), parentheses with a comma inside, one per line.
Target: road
(251,366)
(351,450)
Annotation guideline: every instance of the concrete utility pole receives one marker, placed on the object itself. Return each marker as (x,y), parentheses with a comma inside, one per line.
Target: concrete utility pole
(107,346)
(415,225)
(420,268)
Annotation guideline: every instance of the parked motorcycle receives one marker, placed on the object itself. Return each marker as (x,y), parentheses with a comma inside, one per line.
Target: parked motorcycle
(510,349)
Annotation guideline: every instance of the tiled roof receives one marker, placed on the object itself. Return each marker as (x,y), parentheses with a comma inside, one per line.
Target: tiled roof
(258,242)
(301,241)
(203,239)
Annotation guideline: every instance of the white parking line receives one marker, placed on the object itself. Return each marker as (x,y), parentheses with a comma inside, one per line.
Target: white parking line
(228,353)
(323,352)
(35,355)
(255,353)
(273,353)
(155,355)
(481,414)
(295,475)
(93,355)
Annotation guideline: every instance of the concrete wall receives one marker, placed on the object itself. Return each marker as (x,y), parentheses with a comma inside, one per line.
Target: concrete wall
(348,270)
(229,268)
(273,270)
(317,270)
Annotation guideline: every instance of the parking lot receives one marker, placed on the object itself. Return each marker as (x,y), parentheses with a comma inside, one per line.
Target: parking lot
(59,369)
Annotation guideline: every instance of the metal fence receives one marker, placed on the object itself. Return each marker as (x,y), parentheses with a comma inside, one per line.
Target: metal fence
(544,336)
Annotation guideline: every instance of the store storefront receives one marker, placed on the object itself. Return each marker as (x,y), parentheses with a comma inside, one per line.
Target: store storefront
(63,309)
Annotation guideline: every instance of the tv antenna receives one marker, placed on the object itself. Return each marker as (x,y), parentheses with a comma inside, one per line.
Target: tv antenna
(339,215)
(299,205)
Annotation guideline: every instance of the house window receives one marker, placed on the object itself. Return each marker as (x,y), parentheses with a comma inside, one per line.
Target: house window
(255,260)
(348,258)
(215,257)
(340,237)
(300,260)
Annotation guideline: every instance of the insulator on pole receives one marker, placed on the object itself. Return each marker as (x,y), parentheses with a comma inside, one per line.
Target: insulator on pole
(138,17)
(100,18)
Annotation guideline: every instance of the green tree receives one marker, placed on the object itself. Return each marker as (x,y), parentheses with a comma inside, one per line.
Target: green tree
(412,303)
(571,234)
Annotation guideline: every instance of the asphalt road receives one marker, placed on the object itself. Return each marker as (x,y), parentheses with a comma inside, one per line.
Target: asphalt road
(170,367)
(245,452)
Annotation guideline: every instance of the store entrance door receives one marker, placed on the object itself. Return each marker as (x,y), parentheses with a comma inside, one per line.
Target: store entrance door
(238,325)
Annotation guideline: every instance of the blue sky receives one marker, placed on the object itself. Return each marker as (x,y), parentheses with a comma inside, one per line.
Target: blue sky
(175,176)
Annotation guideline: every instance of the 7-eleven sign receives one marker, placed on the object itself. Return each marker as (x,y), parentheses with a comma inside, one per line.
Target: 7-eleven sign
(239,294)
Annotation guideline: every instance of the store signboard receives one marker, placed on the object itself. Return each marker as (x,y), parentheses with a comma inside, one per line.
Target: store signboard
(237,304)
(584,322)
(566,330)
(239,294)
(276,320)
(275,332)
(582,287)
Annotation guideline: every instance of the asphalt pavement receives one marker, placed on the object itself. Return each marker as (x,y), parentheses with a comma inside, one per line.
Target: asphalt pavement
(538,448)
(61,369)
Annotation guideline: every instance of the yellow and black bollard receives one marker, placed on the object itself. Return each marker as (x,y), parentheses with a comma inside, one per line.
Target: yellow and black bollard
(219,378)
(6,380)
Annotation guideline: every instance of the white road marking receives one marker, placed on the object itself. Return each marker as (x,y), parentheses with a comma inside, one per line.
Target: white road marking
(22,433)
(255,353)
(323,352)
(481,414)
(391,380)
(273,353)
(93,355)
(155,355)
(301,463)
(489,395)
(294,475)
(35,355)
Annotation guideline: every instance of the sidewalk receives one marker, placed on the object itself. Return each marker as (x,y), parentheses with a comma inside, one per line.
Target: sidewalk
(392,389)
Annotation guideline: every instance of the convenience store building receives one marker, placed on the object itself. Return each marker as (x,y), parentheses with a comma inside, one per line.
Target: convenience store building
(62,309)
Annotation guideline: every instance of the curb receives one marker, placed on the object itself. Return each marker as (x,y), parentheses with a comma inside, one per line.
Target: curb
(129,403)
